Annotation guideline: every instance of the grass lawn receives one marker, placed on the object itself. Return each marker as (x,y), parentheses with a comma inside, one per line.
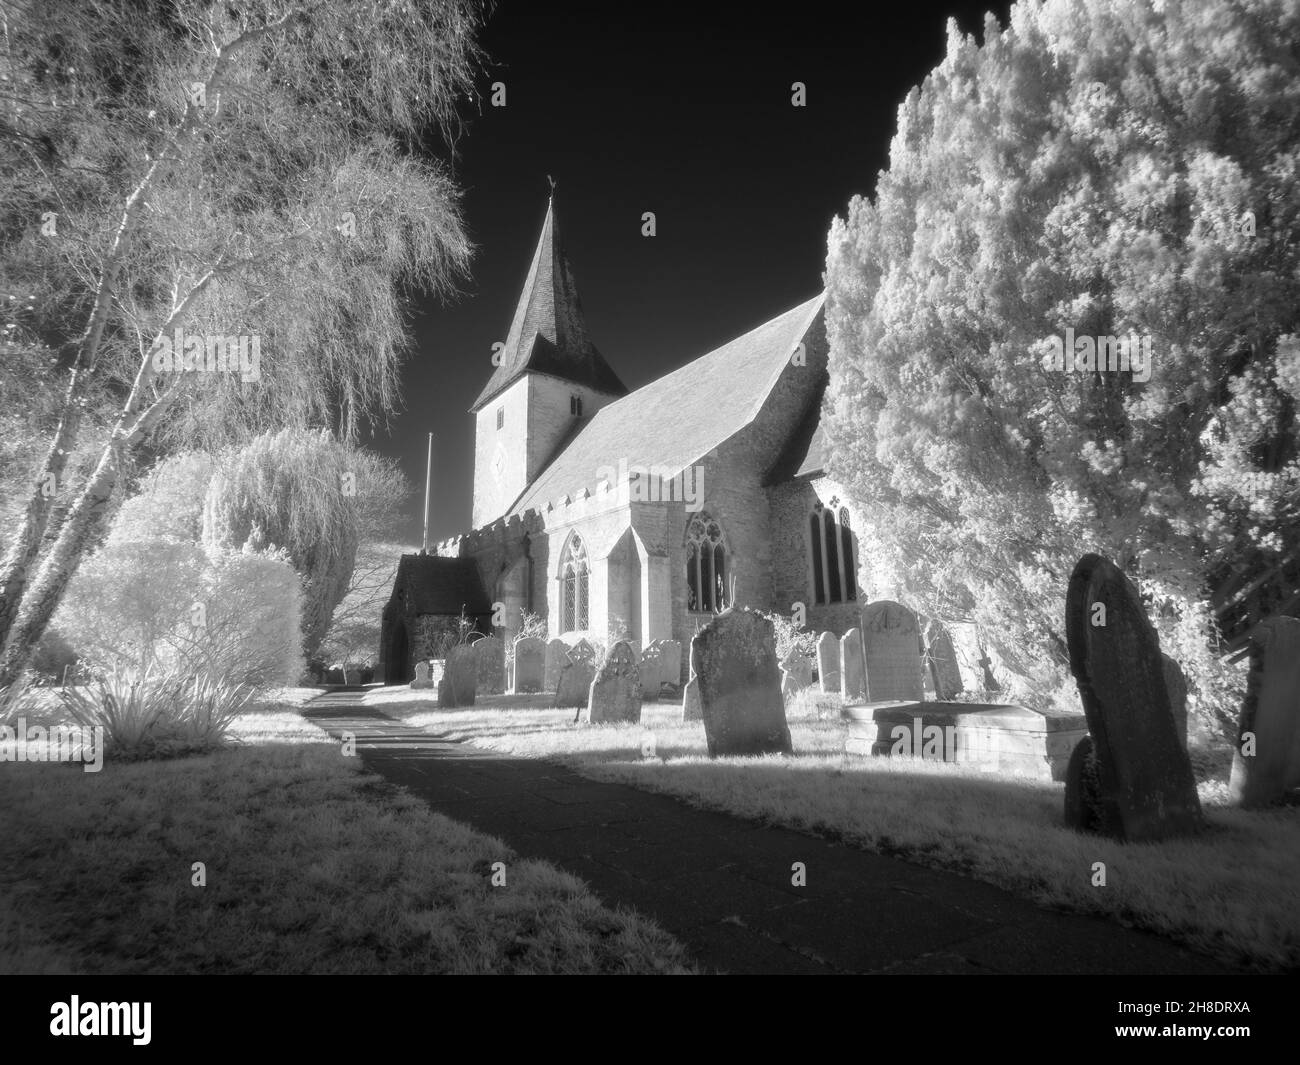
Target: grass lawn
(313,866)
(1233,892)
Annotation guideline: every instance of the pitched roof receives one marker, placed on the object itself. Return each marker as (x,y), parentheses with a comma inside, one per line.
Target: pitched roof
(805,452)
(678,419)
(549,332)
(437,585)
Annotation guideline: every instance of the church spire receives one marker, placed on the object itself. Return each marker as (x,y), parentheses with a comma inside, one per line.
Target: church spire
(548,334)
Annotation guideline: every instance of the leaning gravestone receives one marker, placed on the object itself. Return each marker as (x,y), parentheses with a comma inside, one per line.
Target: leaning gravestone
(941,658)
(892,641)
(574,686)
(490,662)
(615,694)
(421,675)
(853,667)
(557,657)
(740,685)
(1176,683)
(459,678)
(828,663)
(1266,762)
(1115,658)
(651,671)
(527,674)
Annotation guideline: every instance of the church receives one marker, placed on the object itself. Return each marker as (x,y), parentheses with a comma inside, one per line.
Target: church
(639,514)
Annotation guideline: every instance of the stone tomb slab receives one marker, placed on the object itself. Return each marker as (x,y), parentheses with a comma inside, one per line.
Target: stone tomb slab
(993,737)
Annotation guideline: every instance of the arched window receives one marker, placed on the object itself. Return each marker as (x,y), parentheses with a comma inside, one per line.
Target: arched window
(834,561)
(573,586)
(706,565)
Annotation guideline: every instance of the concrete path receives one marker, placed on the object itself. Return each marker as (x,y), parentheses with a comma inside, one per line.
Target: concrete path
(722,885)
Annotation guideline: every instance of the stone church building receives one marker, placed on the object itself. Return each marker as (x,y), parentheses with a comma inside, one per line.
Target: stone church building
(642,513)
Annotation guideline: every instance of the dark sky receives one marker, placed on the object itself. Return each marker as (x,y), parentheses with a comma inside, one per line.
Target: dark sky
(683,110)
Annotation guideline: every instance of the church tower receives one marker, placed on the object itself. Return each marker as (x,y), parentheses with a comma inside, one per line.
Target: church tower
(548,382)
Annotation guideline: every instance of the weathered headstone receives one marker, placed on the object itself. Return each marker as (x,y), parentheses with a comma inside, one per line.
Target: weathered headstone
(1085,808)
(574,686)
(651,671)
(828,663)
(941,662)
(615,694)
(584,651)
(490,661)
(459,678)
(853,667)
(1269,726)
(528,670)
(892,642)
(796,674)
(557,657)
(670,662)
(1116,661)
(740,685)
(1176,684)
(421,675)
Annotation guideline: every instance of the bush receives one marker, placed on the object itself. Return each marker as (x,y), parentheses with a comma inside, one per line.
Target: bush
(156,714)
(789,638)
(186,610)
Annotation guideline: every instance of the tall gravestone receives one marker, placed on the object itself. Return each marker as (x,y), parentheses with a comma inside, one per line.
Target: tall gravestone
(557,657)
(459,678)
(574,686)
(892,642)
(941,662)
(853,667)
(740,685)
(490,661)
(1115,657)
(828,663)
(528,670)
(651,671)
(615,694)
(1266,763)
(1176,684)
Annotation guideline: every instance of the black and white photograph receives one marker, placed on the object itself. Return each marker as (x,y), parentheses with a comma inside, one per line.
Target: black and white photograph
(493,487)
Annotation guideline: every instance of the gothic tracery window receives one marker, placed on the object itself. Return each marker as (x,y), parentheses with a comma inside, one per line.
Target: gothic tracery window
(706,565)
(834,562)
(574,574)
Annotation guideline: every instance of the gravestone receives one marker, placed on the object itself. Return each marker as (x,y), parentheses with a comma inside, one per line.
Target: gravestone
(1085,808)
(892,643)
(557,657)
(528,670)
(828,663)
(615,694)
(574,686)
(421,675)
(941,659)
(583,650)
(1116,661)
(740,685)
(1270,714)
(796,674)
(853,667)
(490,662)
(671,662)
(651,671)
(459,678)
(1176,683)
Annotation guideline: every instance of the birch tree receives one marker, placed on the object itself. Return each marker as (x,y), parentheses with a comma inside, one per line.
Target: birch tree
(260,171)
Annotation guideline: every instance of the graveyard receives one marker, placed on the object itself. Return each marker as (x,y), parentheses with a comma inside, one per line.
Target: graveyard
(1191,841)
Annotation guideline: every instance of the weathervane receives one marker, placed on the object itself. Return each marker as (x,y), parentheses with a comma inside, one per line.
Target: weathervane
(551,180)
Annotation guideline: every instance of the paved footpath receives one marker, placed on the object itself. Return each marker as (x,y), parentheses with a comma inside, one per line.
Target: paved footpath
(722,884)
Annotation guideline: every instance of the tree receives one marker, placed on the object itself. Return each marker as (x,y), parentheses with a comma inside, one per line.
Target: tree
(354,632)
(254,172)
(1116,168)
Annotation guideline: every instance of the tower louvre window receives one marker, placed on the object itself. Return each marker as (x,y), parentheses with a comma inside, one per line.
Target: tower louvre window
(575,406)
(501,417)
